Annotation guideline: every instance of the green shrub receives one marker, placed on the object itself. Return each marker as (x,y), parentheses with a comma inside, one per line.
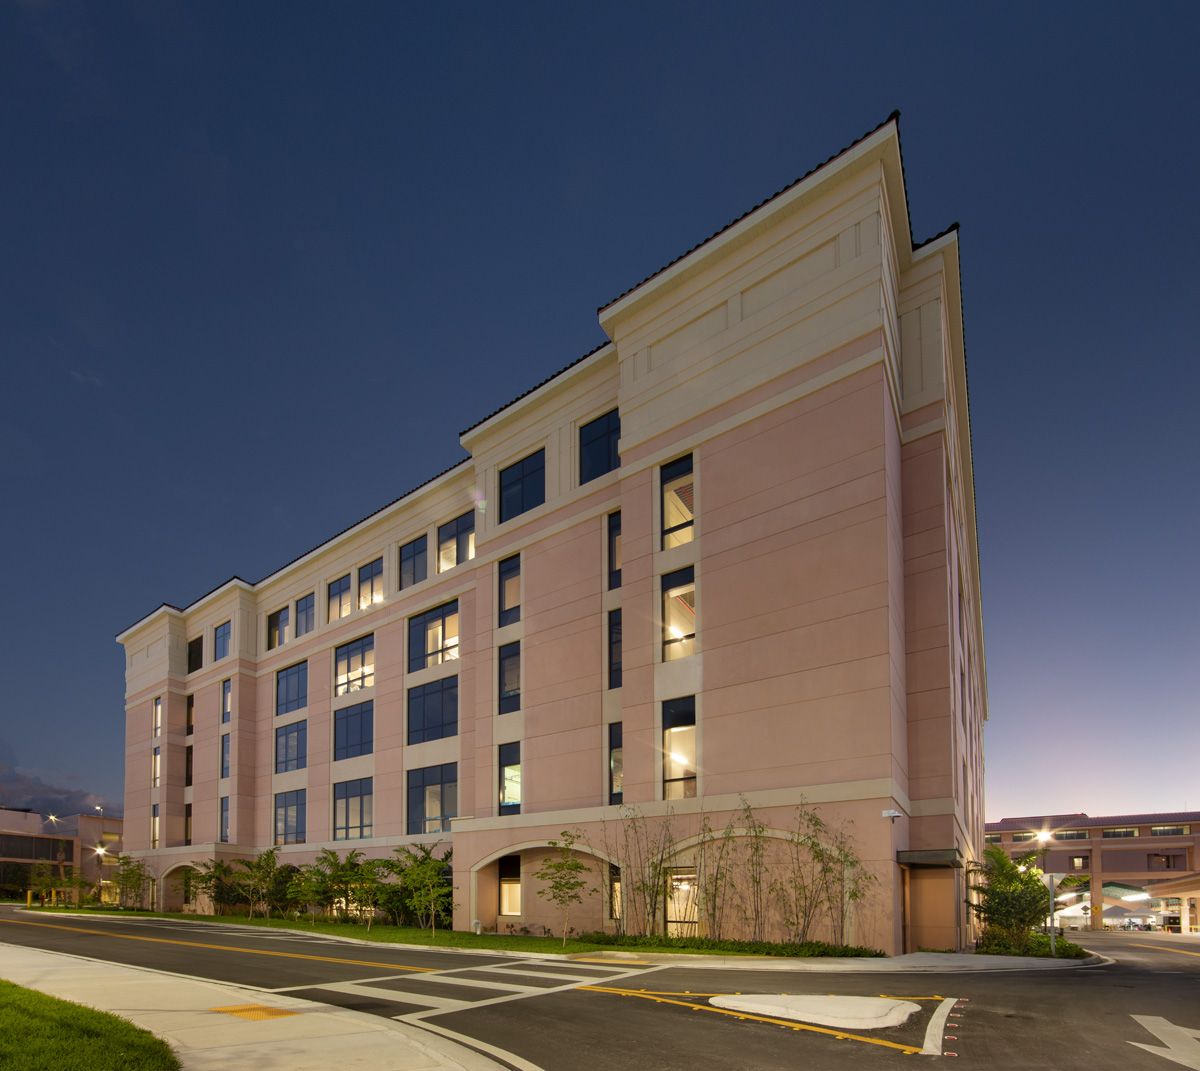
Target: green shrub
(804,949)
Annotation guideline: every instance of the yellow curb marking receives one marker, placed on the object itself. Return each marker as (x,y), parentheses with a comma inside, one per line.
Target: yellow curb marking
(614,962)
(1164,948)
(255,1011)
(224,948)
(841,1035)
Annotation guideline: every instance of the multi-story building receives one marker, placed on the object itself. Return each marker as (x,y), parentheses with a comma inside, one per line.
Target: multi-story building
(728,556)
(80,843)
(1157,852)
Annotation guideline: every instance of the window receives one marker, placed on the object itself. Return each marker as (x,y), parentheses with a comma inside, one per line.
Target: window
(154,826)
(354,665)
(1071,834)
(352,807)
(306,615)
(992,838)
(413,564)
(291,688)
(370,584)
(598,446)
(510,590)
(614,550)
(187,823)
(353,731)
(226,700)
(224,754)
(614,891)
(339,599)
(679,613)
(224,833)
(188,763)
(614,648)
(195,654)
(155,767)
(456,541)
(616,764)
(1170,831)
(432,798)
(509,867)
(1019,837)
(1079,862)
(221,642)
(510,778)
(190,722)
(510,678)
(1128,831)
(277,628)
(290,817)
(291,747)
(678,509)
(156,716)
(433,637)
(522,486)
(433,711)
(1165,862)
(679,748)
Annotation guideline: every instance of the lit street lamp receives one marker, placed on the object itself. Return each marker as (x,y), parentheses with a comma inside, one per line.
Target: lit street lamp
(1050,881)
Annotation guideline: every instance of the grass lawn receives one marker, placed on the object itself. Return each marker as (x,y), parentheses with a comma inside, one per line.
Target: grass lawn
(41,1033)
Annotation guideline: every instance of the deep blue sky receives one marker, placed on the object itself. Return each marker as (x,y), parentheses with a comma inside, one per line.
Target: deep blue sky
(260,263)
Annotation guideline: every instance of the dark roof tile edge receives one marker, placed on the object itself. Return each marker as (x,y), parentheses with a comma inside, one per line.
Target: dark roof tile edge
(1059,820)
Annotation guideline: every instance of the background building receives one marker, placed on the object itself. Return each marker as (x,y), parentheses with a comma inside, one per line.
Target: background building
(69,843)
(728,556)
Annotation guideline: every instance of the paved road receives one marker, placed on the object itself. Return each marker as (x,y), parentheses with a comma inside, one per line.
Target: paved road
(578,1016)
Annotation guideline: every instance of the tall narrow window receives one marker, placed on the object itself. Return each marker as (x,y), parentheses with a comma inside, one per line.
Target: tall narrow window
(226,700)
(190,716)
(339,598)
(188,766)
(195,654)
(354,665)
(224,819)
(433,711)
(277,628)
(522,486)
(352,807)
(156,717)
(616,764)
(510,778)
(679,613)
(290,817)
(291,688)
(614,550)
(510,677)
(306,615)
(678,508)
(433,637)
(456,541)
(291,747)
(154,826)
(509,867)
(370,584)
(156,768)
(598,446)
(510,590)
(224,754)
(614,648)
(353,731)
(432,798)
(679,748)
(187,823)
(413,564)
(221,642)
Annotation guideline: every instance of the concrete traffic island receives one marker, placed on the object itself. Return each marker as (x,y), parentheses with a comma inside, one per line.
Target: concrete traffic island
(846,1013)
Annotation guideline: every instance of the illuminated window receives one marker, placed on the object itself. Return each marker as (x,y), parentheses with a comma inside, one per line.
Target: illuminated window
(339,598)
(432,798)
(433,711)
(616,764)
(614,550)
(277,628)
(1071,834)
(510,677)
(679,613)
(157,716)
(456,541)
(1078,862)
(155,767)
(679,748)
(598,446)
(154,826)
(291,747)
(413,564)
(353,731)
(370,584)
(522,486)
(433,637)
(1170,831)
(291,688)
(678,507)
(509,867)
(187,823)
(221,642)
(352,807)
(290,817)
(226,700)
(614,648)
(354,665)
(195,654)
(510,778)
(510,590)
(1126,831)
(1020,837)
(306,615)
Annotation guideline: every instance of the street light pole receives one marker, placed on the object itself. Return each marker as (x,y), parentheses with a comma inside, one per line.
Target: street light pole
(1050,881)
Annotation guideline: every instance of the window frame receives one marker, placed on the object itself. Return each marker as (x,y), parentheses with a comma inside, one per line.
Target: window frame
(286,703)
(678,714)
(278,627)
(350,680)
(339,589)
(364,793)
(223,820)
(616,763)
(511,752)
(222,640)
(673,584)
(615,651)
(306,614)
(195,654)
(508,661)
(418,782)
(614,550)
(521,486)
(293,738)
(446,727)
(668,473)
(417,559)
(295,800)
(354,731)
(459,533)
(508,878)
(226,700)
(598,441)
(418,628)
(226,756)
(371,575)
(506,570)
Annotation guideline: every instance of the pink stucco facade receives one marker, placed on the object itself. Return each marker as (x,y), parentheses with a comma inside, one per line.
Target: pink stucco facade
(809,361)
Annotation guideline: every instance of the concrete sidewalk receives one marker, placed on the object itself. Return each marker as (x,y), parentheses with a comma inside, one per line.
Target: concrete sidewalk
(913,963)
(264,1031)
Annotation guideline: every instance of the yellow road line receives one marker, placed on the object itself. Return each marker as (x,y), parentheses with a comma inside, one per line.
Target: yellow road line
(222,948)
(1164,948)
(839,1034)
(615,962)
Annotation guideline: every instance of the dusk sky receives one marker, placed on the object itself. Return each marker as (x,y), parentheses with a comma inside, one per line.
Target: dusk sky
(261,262)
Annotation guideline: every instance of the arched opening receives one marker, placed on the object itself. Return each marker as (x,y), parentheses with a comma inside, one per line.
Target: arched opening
(179,892)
